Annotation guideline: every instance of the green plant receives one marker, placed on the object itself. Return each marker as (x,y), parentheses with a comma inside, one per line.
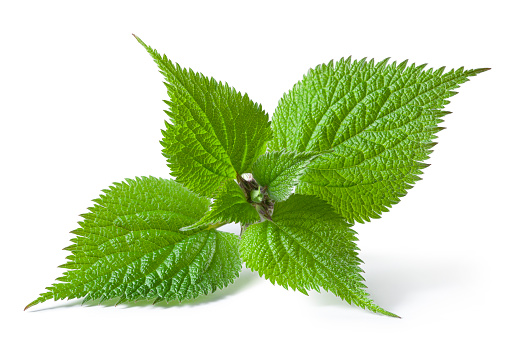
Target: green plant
(344,145)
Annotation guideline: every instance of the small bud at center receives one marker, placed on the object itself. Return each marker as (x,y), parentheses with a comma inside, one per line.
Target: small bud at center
(256,196)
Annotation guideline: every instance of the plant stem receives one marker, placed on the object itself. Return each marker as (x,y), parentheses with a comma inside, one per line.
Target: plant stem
(263,204)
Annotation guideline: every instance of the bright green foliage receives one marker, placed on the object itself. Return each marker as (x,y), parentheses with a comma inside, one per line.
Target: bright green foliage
(129,247)
(349,139)
(229,206)
(308,246)
(214,131)
(379,120)
(280,171)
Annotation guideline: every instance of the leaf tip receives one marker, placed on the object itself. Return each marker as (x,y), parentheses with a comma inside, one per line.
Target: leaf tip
(140,41)
(33,303)
(390,314)
(481,70)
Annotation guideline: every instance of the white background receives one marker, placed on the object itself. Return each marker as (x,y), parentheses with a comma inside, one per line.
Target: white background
(81,107)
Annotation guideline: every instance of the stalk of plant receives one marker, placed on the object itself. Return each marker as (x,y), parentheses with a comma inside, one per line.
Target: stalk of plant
(344,145)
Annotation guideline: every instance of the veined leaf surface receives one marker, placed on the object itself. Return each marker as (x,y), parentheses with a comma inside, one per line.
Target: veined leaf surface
(129,247)
(308,246)
(229,206)
(280,171)
(379,120)
(214,132)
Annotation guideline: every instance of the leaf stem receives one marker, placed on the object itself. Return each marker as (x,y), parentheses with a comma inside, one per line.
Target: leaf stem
(216,225)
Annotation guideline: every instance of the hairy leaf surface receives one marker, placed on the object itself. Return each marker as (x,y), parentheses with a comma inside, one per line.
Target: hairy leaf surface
(129,247)
(214,131)
(378,119)
(308,246)
(280,171)
(229,206)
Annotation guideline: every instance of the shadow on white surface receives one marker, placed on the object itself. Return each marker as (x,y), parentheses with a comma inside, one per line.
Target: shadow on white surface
(394,283)
(245,279)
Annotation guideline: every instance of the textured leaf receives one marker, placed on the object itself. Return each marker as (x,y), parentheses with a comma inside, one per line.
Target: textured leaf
(280,171)
(229,206)
(214,131)
(378,119)
(129,246)
(307,246)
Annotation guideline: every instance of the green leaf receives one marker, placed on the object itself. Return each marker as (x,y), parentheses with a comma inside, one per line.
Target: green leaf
(129,247)
(280,171)
(229,206)
(378,119)
(214,132)
(308,246)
